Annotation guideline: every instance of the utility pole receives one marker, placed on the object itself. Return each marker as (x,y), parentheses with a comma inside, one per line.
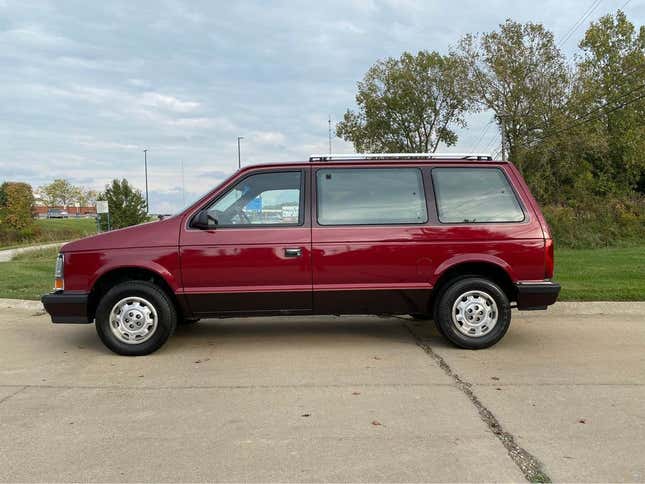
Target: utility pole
(329,120)
(239,158)
(145,162)
(502,120)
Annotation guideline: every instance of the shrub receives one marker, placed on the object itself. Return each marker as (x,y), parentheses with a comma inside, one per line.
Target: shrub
(597,222)
(16,220)
(17,202)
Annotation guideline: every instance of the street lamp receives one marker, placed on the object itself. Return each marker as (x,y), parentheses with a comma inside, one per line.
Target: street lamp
(239,158)
(145,162)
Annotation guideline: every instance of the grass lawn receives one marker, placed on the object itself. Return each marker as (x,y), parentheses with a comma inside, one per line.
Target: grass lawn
(616,274)
(586,275)
(59,229)
(28,275)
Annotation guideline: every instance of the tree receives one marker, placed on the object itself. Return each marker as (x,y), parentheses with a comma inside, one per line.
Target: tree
(59,192)
(87,197)
(519,74)
(410,104)
(608,103)
(126,204)
(16,201)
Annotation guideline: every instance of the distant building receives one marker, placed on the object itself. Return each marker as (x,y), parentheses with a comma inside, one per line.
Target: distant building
(40,211)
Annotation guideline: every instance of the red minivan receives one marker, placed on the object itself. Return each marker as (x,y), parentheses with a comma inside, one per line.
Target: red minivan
(457,239)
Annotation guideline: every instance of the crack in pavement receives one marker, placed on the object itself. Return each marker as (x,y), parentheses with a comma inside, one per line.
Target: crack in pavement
(528,464)
(4,399)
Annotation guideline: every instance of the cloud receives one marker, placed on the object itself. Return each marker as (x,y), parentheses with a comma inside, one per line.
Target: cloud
(268,137)
(169,103)
(86,86)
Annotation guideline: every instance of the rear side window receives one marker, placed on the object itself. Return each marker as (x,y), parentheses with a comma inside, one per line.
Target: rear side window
(370,196)
(471,195)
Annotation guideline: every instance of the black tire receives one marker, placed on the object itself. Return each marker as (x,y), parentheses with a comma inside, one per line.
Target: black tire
(421,316)
(444,312)
(163,305)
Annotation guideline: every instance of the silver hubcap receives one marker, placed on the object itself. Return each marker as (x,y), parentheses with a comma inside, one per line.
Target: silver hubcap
(133,320)
(474,313)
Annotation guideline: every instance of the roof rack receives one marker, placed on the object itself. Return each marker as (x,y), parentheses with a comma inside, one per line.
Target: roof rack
(402,156)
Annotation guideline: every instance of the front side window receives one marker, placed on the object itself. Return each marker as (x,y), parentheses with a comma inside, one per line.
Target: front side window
(262,199)
(370,196)
(471,195)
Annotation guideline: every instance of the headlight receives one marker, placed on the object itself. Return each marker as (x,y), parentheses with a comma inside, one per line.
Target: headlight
(59,283)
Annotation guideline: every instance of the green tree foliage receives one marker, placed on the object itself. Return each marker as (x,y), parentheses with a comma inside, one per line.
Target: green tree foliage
(410,104)
(126,204)
(517,72)
(576,133)
(592,151)
(17,200)
(16,219)
(609,101)
(60,192)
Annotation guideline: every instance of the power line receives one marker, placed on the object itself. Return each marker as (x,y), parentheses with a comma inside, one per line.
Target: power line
(580,21)
(481,137)
(583,119)
(491,142)
(642,86)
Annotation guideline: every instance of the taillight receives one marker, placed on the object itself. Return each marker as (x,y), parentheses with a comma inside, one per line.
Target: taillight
(59,281)
(548,258)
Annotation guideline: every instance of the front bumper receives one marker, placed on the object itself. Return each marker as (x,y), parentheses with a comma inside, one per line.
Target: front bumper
(536,295)
(66,308)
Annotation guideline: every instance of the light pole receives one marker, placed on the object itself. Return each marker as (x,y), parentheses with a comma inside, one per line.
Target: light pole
(239,158)
(145,162)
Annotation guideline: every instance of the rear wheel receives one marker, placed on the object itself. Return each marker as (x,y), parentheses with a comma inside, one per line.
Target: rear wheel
(473,313)
(135,318)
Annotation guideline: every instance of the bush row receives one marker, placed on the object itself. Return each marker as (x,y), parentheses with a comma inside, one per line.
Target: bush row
(598,222)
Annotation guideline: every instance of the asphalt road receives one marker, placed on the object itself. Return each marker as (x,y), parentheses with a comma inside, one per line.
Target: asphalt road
(327,399)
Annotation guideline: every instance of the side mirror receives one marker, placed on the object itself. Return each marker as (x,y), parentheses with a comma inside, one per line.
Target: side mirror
(204,221)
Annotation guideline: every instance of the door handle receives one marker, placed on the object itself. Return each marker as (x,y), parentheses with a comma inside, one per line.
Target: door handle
(293,252)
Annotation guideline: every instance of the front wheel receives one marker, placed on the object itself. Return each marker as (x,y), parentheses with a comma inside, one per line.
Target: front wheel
(473,313)
(135,318)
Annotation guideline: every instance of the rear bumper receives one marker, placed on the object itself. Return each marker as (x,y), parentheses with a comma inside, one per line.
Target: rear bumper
(536,295)
(66,308)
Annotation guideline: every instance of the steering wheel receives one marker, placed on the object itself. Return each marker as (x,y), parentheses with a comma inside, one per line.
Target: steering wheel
(244,216)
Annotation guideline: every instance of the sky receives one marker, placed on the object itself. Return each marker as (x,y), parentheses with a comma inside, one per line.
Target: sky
(86,86)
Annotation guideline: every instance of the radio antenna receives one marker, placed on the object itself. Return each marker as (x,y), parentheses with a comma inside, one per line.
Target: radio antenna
(329,121)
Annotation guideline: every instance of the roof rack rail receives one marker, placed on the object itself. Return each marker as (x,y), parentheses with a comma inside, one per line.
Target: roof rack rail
(402,156)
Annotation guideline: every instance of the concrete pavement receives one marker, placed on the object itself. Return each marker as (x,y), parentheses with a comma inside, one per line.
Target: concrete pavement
(327,399)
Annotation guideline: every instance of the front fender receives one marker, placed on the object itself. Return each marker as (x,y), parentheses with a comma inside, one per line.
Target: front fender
(84,269)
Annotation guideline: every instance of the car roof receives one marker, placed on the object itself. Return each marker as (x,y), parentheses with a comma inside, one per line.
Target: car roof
(382,159)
